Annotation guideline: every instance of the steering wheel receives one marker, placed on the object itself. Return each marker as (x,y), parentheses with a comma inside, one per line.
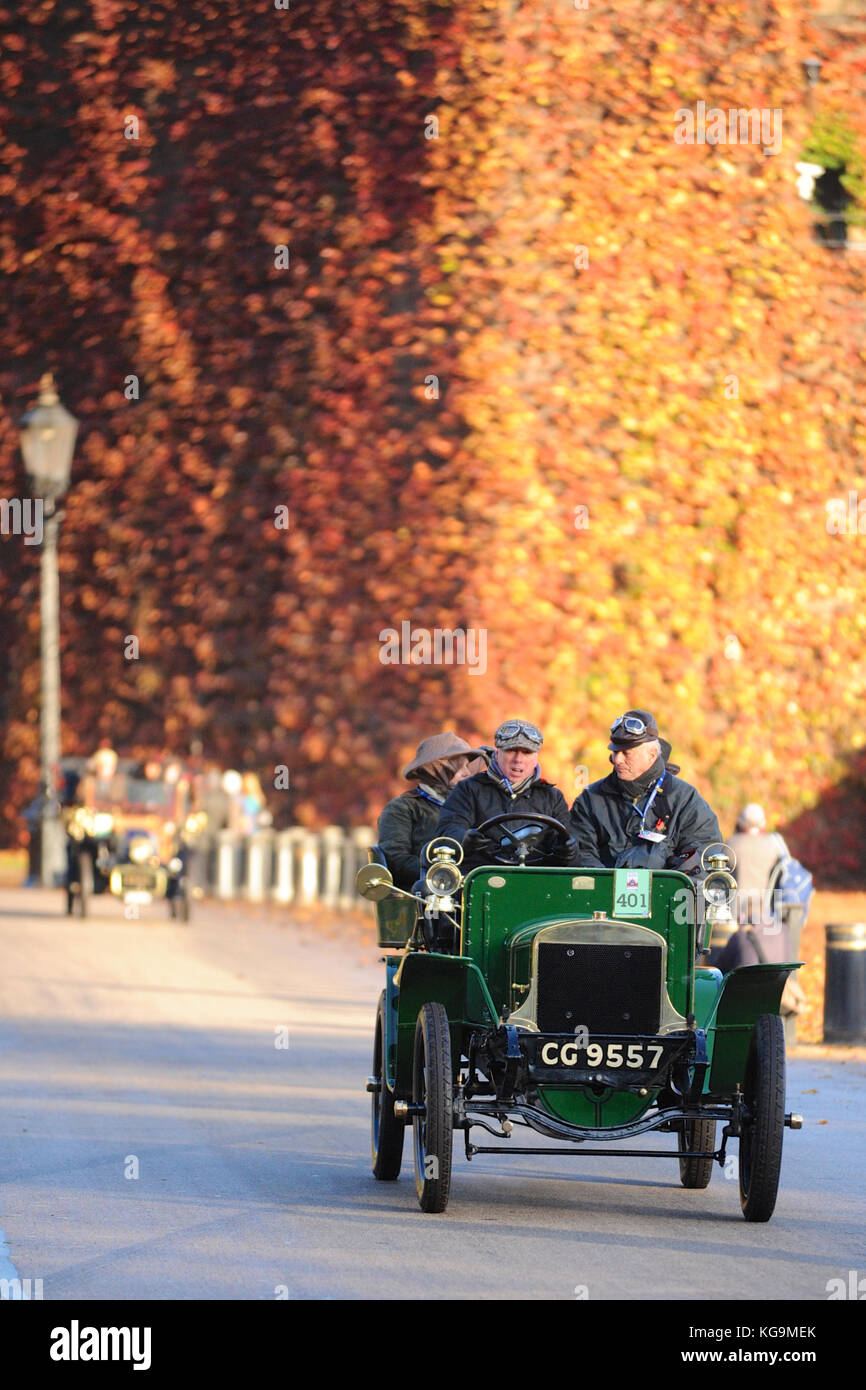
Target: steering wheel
(551,830)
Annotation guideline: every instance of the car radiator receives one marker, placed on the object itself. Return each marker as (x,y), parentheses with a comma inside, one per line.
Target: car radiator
(606,989)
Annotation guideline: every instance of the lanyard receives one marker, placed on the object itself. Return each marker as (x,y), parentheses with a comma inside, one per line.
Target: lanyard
(527,781)
(427,797)
(652,796)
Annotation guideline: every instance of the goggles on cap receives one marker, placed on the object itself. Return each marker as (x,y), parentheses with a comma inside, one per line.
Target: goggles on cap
(628,723)
(516,728)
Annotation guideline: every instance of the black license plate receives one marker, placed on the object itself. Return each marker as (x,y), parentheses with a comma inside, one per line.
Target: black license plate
(613,1058)
(138,881)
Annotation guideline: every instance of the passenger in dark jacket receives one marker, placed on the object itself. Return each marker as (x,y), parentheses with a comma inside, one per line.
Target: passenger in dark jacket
(642,816)
(512,782)
(409,821)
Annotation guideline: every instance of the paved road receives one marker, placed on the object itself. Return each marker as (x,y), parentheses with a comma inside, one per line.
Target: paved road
(148,1048)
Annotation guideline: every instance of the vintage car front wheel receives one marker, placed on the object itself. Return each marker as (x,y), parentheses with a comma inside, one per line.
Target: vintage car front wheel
(764,1124)
(387,1132)
(432,1088)
(696,1134)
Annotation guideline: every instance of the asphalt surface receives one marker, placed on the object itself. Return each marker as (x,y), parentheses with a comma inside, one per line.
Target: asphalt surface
(160,1141)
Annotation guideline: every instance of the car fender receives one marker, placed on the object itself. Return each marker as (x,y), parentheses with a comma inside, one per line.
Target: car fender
(425,977)
(745,994)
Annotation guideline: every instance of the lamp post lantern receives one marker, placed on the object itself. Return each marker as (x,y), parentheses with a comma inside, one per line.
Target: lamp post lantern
(812,68)
(47,442)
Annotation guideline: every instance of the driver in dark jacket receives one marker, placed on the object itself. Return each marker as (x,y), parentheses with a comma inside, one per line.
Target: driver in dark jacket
(511,783)
(642,816)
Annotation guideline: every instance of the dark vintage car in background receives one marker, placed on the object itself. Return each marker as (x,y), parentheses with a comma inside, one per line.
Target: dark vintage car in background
(131,836)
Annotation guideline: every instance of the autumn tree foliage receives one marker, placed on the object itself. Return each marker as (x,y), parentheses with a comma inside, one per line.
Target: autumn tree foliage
(692,377)
(526,364)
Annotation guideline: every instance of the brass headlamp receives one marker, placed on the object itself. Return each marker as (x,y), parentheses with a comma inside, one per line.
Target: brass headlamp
(443,878)
(719,886)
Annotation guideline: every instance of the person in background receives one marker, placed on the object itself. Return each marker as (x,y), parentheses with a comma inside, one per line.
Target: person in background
(762,935)
(212,798)
(758,854)
(102,781)
(252,803)
(409,821)
(232,784)
(173,772)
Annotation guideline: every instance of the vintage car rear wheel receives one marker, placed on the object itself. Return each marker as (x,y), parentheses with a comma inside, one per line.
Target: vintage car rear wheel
(180,905)
(764,1126)
(85,884)
(696,1134)
(432,1088)
(387,1132)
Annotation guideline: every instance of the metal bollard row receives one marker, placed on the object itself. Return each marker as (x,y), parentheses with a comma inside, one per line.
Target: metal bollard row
(284,866)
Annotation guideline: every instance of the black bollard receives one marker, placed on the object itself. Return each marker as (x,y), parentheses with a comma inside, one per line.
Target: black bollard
(845,983)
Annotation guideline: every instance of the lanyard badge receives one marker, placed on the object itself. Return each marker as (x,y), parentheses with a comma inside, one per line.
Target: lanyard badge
(654,835)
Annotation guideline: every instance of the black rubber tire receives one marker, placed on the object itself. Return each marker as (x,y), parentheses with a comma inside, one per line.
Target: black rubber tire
(386,1131)
(697,1134)
(85,885)
(433,1131)
(763,1128)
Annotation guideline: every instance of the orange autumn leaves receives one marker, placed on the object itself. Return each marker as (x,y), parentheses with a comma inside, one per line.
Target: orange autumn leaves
(648,383)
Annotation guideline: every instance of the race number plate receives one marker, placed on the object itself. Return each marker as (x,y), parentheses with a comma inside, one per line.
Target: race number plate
(631,893)
(137,895)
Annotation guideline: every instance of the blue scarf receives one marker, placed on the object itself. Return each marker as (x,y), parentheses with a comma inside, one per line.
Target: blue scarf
(499,777)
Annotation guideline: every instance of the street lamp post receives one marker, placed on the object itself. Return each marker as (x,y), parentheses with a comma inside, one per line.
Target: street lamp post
(812,68)
(47,442)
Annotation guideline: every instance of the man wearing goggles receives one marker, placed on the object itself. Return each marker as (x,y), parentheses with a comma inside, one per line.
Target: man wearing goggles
(642,816)
(512,782)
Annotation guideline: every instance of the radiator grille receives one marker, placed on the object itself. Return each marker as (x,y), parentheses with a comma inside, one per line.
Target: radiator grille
(609,989)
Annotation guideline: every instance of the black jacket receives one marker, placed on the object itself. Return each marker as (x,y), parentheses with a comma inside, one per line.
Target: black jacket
(405,826)
(478,798)
(605,823)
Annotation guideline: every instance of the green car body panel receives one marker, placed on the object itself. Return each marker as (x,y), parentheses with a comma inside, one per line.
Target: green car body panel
(746,993)
(504,910)
(507,996)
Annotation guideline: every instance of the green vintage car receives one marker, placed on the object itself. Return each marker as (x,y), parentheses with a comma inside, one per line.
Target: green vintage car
(572,1004)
